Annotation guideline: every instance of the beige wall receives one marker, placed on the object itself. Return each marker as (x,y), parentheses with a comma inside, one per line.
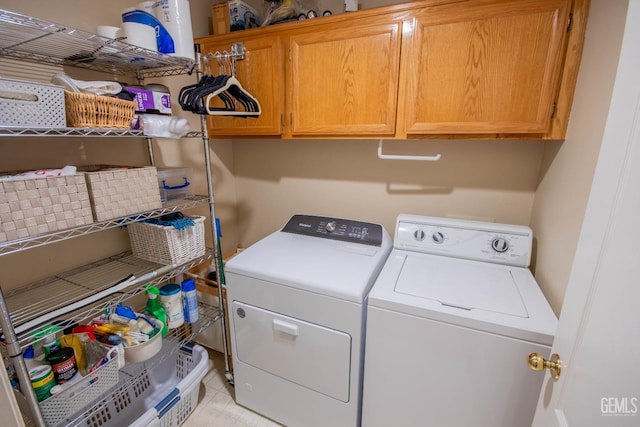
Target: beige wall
(568,167)
(487,180)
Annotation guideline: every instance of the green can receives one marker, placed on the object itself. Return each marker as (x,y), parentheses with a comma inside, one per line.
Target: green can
(42,381)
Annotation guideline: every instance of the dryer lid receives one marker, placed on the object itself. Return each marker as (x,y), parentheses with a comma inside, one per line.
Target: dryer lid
(462,284)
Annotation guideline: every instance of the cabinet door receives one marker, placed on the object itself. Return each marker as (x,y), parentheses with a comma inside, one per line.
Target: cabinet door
(483,67)
(261,73)
(344,80)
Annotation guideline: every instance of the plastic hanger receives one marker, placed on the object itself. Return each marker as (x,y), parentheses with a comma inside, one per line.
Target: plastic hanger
(233,87)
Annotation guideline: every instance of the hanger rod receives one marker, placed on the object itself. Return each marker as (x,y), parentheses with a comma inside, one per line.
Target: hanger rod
(399,157)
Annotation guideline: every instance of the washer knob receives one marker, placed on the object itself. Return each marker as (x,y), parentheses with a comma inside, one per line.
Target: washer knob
(500,244)
(330,227)
(419,235)
(438,237)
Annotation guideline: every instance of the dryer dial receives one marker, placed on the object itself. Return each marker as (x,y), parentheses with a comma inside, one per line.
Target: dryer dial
(438,237)
(419,235)
(500,244)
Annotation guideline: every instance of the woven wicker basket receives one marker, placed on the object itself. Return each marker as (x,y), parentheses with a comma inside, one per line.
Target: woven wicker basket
(29,207)
(95,111)
(167,245)
(120,191)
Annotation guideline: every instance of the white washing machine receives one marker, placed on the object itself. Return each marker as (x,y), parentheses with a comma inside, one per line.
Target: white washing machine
(297,313)
(451,320)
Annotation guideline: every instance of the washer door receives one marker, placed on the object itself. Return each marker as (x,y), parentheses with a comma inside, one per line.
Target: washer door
(309,355)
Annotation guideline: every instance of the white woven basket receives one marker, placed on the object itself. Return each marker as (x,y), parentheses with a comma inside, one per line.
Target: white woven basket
(120,191)
(167,245)
(29,207)
(31,105)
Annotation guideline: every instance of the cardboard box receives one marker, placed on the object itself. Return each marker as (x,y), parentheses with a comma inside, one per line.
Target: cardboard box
(151,101)
(233,15)
(220,18)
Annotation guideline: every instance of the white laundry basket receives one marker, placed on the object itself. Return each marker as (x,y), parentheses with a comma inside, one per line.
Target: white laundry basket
(163,396)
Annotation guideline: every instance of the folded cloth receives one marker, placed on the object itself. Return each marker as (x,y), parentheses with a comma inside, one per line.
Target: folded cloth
(177,223)
(97,87)
(41,173)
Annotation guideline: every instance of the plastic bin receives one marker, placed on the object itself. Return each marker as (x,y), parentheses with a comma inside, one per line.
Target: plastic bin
(163,396)
(31,105)
(175,183)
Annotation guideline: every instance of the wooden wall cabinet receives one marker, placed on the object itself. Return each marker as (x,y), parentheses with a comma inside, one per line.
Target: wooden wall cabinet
(481,67)
(344,81)
(428,69)
(261,73)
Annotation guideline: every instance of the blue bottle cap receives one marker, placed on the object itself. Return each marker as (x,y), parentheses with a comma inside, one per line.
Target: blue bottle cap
(188,285)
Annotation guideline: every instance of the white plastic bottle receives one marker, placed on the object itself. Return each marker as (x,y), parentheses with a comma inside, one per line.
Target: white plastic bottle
(170,299)
(190,301)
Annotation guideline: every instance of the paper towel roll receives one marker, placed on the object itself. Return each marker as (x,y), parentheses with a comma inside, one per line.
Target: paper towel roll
(139,28)
(162,40)
(175,16)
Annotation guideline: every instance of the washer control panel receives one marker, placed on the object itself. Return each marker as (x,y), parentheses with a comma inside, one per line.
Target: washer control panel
(345,230)
(474,240)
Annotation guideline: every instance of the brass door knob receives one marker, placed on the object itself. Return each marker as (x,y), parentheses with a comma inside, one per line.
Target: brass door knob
(539,363)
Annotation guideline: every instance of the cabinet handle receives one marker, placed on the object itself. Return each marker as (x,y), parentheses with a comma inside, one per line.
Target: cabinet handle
(397,157)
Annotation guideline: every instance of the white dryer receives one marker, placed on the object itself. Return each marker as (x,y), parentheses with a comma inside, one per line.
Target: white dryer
(451,320)
(297,311)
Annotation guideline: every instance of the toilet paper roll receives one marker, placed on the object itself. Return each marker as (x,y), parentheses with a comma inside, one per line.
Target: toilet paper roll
(107,31)
(175,16)
(139,34)
(163,40)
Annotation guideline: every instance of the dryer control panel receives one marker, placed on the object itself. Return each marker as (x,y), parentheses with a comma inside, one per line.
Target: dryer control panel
(473,240)
(345,230)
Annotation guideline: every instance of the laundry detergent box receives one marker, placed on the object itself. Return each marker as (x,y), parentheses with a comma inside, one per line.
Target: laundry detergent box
(151,101)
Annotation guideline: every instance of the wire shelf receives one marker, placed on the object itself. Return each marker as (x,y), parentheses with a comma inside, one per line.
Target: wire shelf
(36,40)
(30,305)
(17,245)
(79,132)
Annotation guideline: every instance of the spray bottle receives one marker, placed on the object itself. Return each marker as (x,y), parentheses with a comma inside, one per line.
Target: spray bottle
(154,308)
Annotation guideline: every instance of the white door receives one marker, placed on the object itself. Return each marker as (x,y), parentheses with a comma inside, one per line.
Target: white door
(598,337)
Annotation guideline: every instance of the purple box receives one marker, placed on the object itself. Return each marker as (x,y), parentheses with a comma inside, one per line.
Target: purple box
(150,101)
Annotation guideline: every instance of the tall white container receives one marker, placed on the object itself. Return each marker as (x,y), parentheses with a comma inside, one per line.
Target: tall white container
(175,16)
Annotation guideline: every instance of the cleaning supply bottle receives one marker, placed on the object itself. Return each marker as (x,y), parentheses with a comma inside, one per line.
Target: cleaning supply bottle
(154,308)
(29,358)
(190,301)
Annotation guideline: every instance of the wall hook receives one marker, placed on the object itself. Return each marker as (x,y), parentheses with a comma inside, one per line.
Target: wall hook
(398,157)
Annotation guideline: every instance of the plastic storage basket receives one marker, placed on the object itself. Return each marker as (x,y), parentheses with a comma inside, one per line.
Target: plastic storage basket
(58,409)
(163,396)
(31,105)
(166,244)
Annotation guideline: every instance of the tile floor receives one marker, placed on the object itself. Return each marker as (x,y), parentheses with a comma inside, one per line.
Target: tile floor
(216,405)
